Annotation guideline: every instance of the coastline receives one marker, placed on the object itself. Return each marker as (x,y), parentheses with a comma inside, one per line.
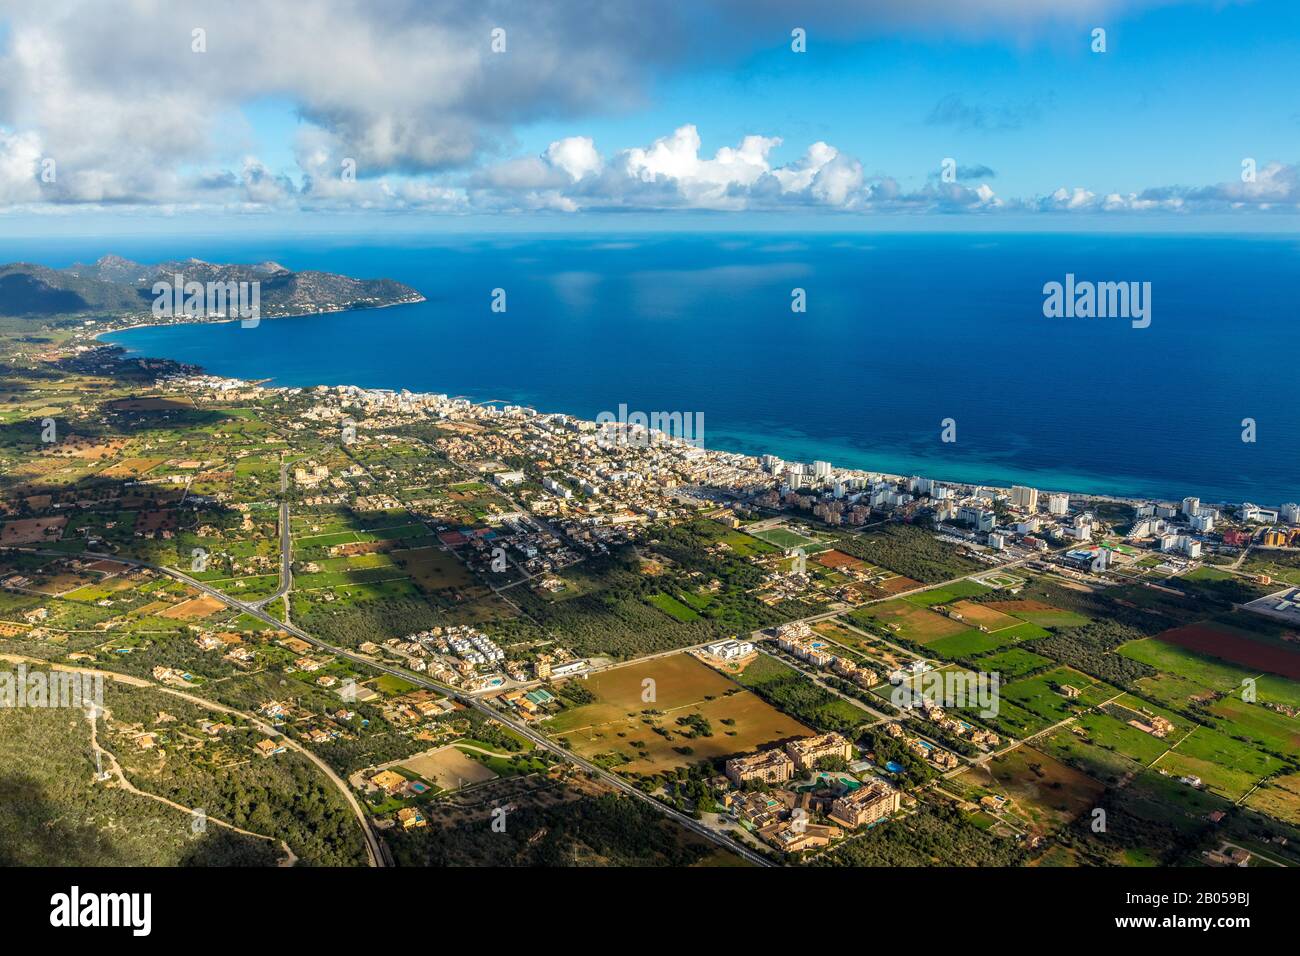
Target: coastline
(1002,483)
(225,320)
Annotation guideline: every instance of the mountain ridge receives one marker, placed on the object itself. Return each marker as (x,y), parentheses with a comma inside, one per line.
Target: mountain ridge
(114,284)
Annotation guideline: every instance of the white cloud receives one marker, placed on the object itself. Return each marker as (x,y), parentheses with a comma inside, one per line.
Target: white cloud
(576,155)
(20,156)
(716,183)
(1076,198)
(799,176)
(837,182)
(410,91)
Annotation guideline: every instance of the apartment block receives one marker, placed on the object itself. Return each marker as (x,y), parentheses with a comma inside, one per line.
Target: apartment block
(769,766)
(806,752)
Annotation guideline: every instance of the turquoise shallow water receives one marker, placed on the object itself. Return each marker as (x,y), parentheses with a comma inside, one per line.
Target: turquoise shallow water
(901,332)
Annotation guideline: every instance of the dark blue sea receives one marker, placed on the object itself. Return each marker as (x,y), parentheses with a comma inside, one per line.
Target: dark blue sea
(900,332)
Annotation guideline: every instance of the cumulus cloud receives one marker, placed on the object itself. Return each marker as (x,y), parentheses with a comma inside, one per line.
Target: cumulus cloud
(673,172)
(1273,187)
(576,155)
(404,105)
(118,93)
(20,156)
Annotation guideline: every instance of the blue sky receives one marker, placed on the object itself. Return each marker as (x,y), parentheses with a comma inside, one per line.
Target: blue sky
(1179,97)
(593,111)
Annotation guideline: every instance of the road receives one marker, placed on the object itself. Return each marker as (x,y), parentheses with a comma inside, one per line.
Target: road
(256,609)
(115,772)
(376,851)
(466,700)
(286,546)
(762,634)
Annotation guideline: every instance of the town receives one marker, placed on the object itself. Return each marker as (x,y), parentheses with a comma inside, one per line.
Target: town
(468,609)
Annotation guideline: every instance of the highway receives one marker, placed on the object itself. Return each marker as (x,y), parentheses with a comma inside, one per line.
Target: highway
(466,700)
(256,609)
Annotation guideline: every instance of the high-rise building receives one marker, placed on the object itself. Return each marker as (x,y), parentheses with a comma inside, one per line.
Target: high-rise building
(1191,506)
(821,469)
(977,517)
(1024,498)
(1058,504)
(1290,513)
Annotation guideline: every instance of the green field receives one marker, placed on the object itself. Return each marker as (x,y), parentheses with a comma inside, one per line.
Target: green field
(1012,662)
(1214,674)
(969,643)
(785,538)
(673,607)
(1226,766)
(947,593)
(1040,695)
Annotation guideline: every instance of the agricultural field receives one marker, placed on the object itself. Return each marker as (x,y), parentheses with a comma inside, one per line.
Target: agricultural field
(1110,745)
(1188,679)
(1043,794)
(1228,767)
(1279,797)
(795,694)
(623,730)
(1040,613)
(1102,747)
(955,627)
(1012,662)
(673,607)
(1042,694)
(1274,731)
(1235,646)
(434,570)
(968,644)
(908,621)
(947,593)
